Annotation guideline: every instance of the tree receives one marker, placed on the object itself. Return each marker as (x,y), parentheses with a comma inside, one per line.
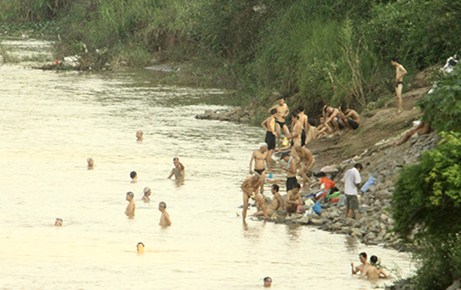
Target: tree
(426,209)
(442,107)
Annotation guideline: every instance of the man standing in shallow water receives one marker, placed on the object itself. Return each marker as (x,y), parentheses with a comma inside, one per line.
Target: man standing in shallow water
(400,71)
(131,205)
(178,170)
(165,220)
(250,188)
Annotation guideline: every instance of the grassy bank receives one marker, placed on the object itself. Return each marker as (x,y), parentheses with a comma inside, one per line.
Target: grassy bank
(315,52)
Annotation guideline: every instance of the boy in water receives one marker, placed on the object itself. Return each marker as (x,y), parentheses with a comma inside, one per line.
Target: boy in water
(165,220)
(133,176)
(131,205)
(58,222)
(267,282)
(147,193)
(371,272)
(178,170)
(360,268)
(140,248)
(139,136)
(90,163)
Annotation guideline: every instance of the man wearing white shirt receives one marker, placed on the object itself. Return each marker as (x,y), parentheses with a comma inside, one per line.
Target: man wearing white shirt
(352,181)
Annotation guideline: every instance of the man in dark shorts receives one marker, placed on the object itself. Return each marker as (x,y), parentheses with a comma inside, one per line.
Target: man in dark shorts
(291,173)
(269,126)
(352,180)
(280,117)
(350,118)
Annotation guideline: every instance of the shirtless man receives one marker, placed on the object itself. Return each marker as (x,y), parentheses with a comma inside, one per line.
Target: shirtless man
(165,220)
(250,188)
(282,113)
(269,126)
(259,157)
(331,117)
(178,170)
(131,205)
(147,193)
(291,172)
(90,163)
(293,199)
(400,71)
(296,130)
(360,268)
(350,118)
(371,272)
(139,136)
(422,129)
(304,120)
(306,160)
(276,203)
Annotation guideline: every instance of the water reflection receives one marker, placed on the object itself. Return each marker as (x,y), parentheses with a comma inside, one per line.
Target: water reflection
(351,244)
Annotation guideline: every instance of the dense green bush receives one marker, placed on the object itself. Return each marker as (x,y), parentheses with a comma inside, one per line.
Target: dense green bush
(419,32)
(442,108)
(426,206)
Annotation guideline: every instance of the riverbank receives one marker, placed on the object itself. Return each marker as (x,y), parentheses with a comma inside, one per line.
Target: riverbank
(371,145)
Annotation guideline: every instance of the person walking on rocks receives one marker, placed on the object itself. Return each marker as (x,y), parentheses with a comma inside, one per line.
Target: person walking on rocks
(352,180)
(400,71)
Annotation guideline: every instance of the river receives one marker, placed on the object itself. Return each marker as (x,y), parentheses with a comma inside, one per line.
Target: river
(51,122)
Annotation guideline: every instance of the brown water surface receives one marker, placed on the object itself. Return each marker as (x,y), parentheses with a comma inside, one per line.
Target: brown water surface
(50,122)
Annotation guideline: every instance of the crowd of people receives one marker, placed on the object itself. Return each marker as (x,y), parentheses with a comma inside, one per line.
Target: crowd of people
(178,171)
(289,142)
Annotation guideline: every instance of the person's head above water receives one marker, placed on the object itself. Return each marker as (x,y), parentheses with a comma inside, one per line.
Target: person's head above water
(363,257)
(129,195)
(133,175)
(90,162)
(267,281)
(58,222)
(139,135)
(162,205)
(140,248)
(147,191)
(373,260)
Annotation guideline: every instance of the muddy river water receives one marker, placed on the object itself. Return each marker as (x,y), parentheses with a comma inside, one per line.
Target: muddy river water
(51,122)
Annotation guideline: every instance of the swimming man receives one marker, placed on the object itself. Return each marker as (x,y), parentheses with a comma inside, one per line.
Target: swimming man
(131,205)
(178,170)
(165,220)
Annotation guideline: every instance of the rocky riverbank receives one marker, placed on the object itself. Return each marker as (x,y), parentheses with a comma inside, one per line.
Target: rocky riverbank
(374,223)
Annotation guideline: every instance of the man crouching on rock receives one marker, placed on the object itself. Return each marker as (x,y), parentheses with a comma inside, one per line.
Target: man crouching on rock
(352,181)
(250,187)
